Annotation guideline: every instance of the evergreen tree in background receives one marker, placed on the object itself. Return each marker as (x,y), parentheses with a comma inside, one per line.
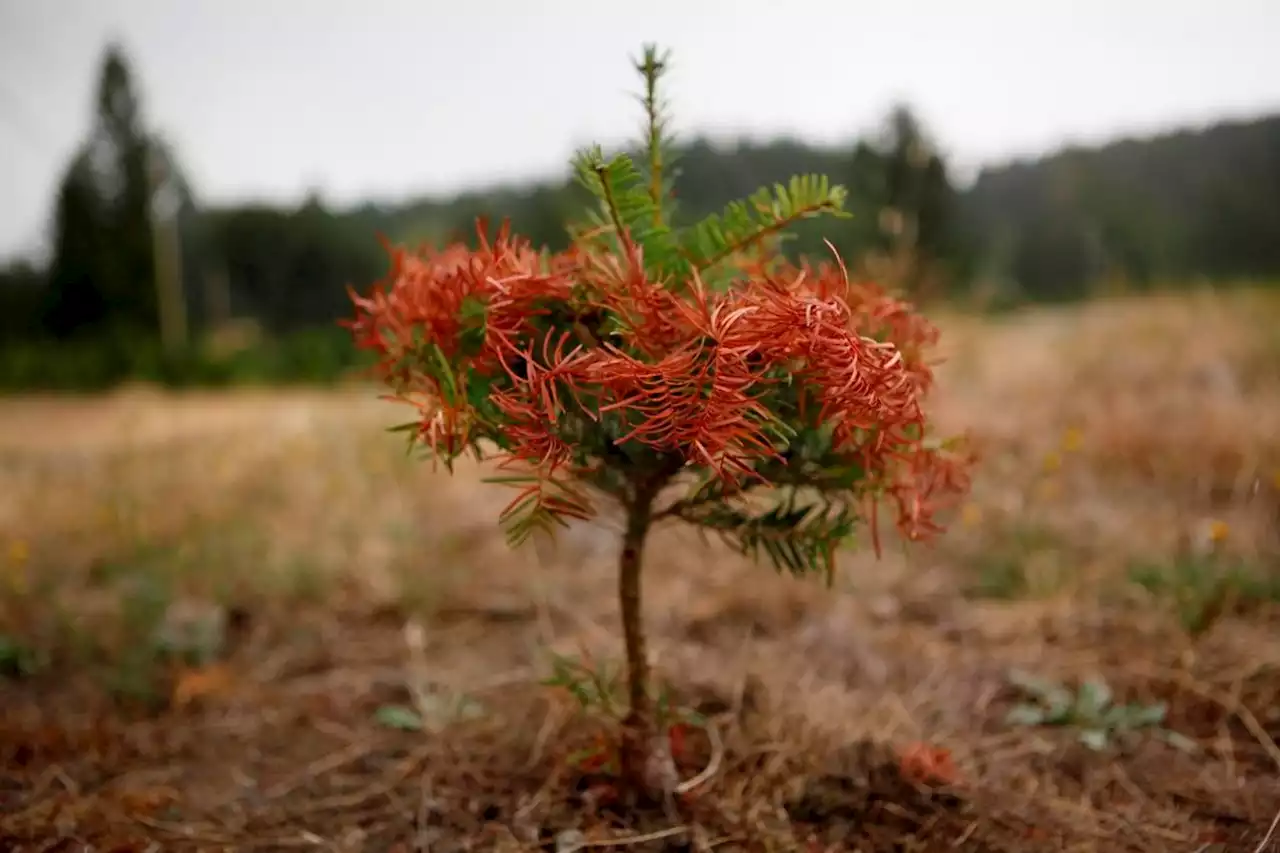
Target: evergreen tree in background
(904,200)
(75,301)
(102,277)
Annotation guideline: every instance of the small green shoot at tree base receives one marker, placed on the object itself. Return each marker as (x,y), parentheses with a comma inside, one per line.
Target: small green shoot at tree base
(779,401)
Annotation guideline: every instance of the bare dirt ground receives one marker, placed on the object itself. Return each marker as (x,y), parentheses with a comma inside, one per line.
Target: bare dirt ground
(205,598)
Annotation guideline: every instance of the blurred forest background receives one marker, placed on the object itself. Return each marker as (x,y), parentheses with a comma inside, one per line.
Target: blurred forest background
(146,282)
(246,618)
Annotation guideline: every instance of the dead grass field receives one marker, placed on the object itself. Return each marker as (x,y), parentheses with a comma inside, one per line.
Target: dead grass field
(205,599)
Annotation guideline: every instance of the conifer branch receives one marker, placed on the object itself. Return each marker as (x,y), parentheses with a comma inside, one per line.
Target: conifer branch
(796,538)
(630,212)
(761,233)
(712,490)
(652,67)
(767,212)
(602,174)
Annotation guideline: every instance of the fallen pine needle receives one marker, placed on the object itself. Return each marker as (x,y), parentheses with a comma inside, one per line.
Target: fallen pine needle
(1271,830)
(627,841)
(717,753)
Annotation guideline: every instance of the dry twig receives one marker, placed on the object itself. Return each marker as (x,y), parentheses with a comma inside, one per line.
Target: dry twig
(629,840)
(1271,830)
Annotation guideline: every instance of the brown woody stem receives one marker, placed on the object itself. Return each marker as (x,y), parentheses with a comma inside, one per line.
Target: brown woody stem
(638,728)
(638,754)
(639,518)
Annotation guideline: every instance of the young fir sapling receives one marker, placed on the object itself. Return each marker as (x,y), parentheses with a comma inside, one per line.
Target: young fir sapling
(783,397)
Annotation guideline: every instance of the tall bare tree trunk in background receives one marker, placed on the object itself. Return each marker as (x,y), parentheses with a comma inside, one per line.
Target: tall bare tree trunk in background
(170,294)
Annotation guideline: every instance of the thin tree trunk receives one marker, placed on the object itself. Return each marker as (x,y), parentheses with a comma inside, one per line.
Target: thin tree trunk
(638,728)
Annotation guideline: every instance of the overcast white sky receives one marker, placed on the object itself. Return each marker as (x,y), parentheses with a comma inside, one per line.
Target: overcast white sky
(392,98)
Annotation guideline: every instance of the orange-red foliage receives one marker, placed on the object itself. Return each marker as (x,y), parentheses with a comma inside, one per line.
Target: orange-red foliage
(689,364)
(931,765)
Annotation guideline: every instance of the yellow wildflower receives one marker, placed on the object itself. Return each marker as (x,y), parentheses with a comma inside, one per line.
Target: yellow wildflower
(15,577)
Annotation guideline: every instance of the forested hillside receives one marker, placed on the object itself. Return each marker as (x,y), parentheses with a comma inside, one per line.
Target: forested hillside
(1186,204)
(1165,210)
(136,256)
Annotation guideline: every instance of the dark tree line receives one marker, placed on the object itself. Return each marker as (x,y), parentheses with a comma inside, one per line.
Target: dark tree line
(1192,203)
(134,254)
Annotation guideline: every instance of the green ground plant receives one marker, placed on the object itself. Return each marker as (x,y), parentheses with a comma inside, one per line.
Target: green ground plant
(1089,709)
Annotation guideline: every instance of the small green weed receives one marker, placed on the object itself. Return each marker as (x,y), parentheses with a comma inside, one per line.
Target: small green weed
(17,659)
(1201,589)
(301,580)
(598,689)
(1089,708)
(134,672)
(1027,563)
(431,712)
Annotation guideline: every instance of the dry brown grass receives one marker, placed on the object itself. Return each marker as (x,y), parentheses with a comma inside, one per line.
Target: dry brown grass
(1129,431)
